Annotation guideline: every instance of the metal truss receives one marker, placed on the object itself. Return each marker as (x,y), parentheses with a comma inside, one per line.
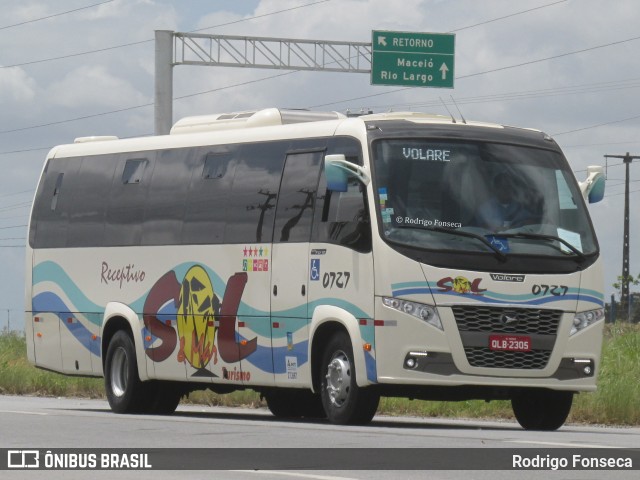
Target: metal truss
(274,53)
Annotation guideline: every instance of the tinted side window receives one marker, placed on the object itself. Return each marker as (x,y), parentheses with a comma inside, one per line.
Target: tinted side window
(91,193)
(125,212)
(53,201)
(209,192)
(342,218)
(134,170)
(297,195)
(251,208)
(166,198)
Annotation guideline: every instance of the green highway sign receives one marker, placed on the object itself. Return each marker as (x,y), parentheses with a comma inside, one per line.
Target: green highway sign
(412,59)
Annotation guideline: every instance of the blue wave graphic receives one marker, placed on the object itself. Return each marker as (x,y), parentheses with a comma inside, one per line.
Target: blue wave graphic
(296,318)
(424,288)
(52,272)
(50,302)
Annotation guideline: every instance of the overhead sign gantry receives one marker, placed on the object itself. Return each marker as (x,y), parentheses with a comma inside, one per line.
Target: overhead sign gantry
(393,58)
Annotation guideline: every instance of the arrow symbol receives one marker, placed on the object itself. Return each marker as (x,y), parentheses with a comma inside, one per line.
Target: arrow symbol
(444,71)
(382,41)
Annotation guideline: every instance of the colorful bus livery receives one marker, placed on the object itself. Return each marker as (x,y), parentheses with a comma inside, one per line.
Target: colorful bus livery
(321,260)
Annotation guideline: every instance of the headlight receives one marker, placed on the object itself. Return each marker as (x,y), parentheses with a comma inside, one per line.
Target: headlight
(584,319)
(419,310)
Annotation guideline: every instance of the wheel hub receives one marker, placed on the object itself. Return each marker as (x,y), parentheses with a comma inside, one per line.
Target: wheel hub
(339,379)
(119,372)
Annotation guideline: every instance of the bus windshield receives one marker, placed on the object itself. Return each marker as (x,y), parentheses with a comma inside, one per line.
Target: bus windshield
(502,200)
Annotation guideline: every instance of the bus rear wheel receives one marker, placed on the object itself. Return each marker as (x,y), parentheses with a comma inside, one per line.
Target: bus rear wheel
(163,398)
(539,409)
(344,402)
(125,391)
(294,403)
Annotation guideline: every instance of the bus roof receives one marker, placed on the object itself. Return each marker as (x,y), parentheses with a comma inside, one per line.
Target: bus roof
(267,124)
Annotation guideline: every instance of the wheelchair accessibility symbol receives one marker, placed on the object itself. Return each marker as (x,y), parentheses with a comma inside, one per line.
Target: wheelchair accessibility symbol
(315,269)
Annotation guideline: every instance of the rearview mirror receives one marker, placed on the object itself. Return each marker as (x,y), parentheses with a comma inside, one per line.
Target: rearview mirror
(593,187)
(337,170)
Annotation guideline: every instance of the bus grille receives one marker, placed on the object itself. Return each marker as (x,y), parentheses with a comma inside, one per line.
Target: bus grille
(477,323)
(520,320)
(486,358)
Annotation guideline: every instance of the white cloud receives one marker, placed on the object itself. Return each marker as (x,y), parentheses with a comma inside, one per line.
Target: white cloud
(16,86)
(94,86)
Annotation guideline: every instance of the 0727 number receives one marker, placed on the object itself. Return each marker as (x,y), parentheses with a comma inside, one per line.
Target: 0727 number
(336,279)
(555,290)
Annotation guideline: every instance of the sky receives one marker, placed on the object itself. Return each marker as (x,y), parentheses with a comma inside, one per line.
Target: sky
(75,68)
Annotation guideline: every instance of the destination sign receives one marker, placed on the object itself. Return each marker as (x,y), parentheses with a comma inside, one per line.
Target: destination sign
(412,59)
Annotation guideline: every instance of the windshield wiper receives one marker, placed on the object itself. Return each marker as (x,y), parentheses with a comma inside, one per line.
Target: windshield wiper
(501,256)
(541,236)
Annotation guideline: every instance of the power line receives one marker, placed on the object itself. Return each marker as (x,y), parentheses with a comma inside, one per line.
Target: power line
(16,193)
(105,49)
(499,69)
(596,126)
(25,150)
(588,144)
(78,54)
(326,104)
(260,16)
(621,193)
(463,101)
(15,206)
(527,94)
(218,89)
(54,15)
(13,226)
(506,16)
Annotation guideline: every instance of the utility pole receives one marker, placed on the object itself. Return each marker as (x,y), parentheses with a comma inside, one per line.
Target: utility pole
(625,304)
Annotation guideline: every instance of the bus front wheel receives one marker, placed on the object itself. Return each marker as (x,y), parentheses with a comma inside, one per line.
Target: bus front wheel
(344,402)
(539,409)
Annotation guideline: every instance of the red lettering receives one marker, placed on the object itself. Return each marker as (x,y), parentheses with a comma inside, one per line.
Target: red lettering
(166,288)
(445,284)
(230,350)
(475,287)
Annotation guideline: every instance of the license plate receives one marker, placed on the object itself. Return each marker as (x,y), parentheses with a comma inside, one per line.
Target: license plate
(510,343)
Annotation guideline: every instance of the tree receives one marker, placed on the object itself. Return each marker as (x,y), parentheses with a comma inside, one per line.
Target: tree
(623,311)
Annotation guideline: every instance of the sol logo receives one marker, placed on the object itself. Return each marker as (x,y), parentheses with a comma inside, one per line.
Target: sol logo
(461,285)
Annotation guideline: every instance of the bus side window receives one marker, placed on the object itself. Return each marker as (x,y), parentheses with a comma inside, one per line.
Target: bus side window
(250,208)
(208,195)
(51,209)
(166,197)
(294,212)
(127,199)
(342,218)
(88,211)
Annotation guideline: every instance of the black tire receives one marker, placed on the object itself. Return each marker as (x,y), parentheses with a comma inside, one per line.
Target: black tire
(125,392)
(164,398)
(294,403)
(344,402)
(539,409)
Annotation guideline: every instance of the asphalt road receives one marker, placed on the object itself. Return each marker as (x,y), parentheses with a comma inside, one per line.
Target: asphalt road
(63,423)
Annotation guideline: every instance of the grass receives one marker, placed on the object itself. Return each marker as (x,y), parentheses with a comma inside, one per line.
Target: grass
(18,377)
(614,403)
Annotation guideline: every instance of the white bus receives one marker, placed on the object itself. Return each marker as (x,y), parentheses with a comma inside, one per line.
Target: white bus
(322,261)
